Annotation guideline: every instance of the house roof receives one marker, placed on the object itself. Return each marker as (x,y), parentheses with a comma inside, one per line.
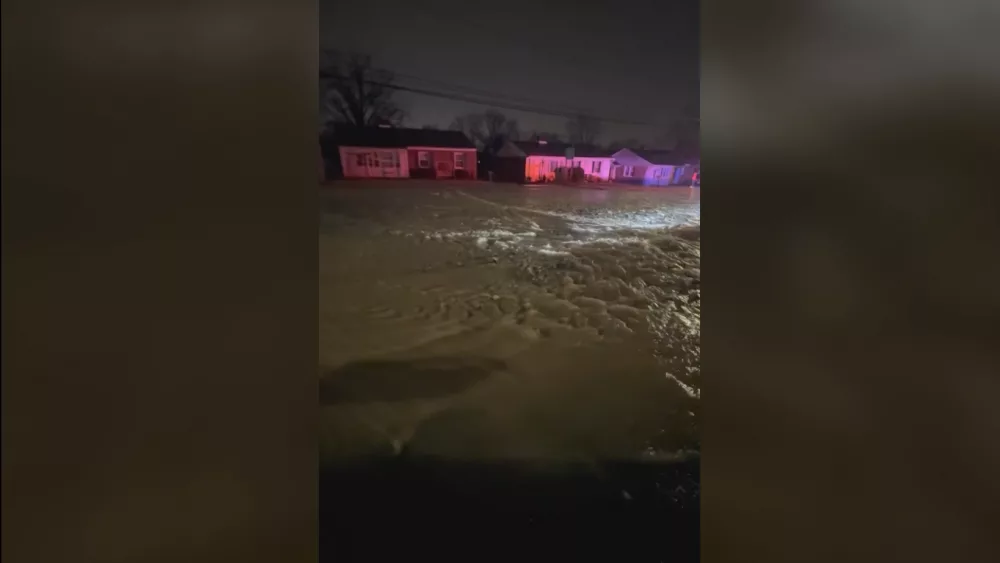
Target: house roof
(660,157)
(398,137)
(654,156)
(531,148)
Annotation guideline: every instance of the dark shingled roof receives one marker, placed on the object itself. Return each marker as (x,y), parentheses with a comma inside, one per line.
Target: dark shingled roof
(531,148)
(397,137)
(672,158)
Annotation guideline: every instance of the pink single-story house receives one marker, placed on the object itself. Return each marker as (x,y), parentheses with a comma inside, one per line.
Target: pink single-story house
(655,167)
(397,152)
(541,161)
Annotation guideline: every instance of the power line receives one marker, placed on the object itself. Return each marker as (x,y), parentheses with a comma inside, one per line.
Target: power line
(467,89)
(514,106)
(536,43)
(486,98)
(518,106)
(533,102)
(480,92)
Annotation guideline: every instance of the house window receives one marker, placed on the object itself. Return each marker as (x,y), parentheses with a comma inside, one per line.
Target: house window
(423,159)
(627,171)
(361,158)
(595,167)
(460,161)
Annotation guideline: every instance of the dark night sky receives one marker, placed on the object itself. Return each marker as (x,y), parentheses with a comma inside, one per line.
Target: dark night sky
(635,60)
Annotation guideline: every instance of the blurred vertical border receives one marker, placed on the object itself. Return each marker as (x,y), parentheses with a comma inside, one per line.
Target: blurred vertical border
(851,281)
(159,281)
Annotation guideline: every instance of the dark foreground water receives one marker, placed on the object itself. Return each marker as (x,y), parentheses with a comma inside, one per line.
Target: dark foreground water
(534,350)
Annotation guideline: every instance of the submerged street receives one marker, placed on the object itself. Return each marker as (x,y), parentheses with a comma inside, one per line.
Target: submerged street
(501,322)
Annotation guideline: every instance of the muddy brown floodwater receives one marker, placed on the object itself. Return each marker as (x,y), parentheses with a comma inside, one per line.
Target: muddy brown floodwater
(499,322)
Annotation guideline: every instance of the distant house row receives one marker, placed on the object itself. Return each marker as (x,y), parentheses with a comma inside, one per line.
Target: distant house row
(429,153)
(539,161)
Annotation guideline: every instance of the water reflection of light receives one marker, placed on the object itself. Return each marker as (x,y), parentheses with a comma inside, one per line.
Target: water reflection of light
(662,218)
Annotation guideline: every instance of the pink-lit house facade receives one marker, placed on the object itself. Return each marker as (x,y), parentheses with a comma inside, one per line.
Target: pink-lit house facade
(545,162)
(395,152)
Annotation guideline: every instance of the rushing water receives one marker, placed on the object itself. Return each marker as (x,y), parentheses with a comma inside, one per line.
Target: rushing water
(490,321)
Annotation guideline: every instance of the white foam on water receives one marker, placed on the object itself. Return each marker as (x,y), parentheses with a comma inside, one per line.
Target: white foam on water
(549,251)
(688,390)
(611,241)
(662,218)
(675,215)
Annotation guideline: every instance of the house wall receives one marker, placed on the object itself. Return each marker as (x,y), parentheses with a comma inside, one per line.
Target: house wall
(367,162)
(442,162)
(686,172)
(587,162)
(658,175)
(637,178)
(539,168)
(670,175)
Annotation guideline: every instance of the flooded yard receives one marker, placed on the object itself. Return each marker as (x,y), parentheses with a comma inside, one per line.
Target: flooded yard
(483,322)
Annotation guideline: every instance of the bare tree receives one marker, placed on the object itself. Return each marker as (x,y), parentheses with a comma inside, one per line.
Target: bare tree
(354,92)
(488,130)
(498,130)
(471,124)
(583,129)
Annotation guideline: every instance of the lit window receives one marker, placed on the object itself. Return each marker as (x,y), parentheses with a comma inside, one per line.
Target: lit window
(460,161)
(423,159)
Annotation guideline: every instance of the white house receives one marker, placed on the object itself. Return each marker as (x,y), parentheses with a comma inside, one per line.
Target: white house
(539,161)
(653,167)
